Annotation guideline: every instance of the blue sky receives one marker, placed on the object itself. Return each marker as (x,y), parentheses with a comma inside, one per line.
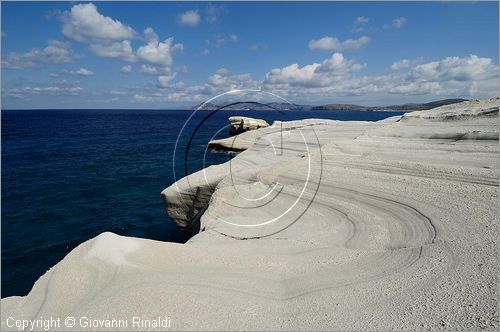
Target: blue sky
(165,55)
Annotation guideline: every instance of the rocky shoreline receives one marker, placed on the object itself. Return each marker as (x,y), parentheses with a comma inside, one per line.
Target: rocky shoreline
(316,224)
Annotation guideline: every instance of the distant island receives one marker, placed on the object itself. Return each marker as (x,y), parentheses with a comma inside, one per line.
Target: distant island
(403,107)
(246,106)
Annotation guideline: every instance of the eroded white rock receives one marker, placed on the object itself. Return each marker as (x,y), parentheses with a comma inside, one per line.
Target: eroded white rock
(395,230)
(240,124)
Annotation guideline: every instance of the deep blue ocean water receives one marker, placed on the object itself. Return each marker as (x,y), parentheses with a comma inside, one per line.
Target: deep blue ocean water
(69,175)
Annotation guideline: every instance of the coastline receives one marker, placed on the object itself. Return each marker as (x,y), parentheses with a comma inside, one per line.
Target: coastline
(383,233)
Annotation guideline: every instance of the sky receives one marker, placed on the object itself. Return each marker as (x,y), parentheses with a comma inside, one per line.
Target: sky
(178,54)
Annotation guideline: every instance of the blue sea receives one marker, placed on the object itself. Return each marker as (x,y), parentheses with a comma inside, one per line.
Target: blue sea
(69,175)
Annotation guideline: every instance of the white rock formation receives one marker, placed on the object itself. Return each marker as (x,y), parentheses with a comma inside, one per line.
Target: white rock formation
(389,225)
(240,124)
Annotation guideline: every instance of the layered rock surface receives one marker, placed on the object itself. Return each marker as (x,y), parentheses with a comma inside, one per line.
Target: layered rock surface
(317,225)
(240,124)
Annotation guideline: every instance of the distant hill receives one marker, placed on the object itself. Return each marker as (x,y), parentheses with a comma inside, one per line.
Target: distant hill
(254,106)
(404,107)
(341,107)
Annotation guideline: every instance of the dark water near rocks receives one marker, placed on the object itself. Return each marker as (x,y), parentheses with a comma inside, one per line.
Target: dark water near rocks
(69,175)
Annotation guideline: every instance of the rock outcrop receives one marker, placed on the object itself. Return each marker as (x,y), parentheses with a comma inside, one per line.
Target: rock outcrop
(388,225)
(240,124)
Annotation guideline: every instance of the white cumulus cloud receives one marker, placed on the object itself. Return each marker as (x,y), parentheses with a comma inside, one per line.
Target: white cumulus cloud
(404,63)
(333,43)
(222,71)
(323,74)
(85,24)
(56,52)
(224,39)
(120,50)
(82,72)
(470,76)
(62,88)
(361,20)
(399,22)
(143,99)
(127,69)
(190,18)
(104,35)
(164,81)
(467,69)
(156,52)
